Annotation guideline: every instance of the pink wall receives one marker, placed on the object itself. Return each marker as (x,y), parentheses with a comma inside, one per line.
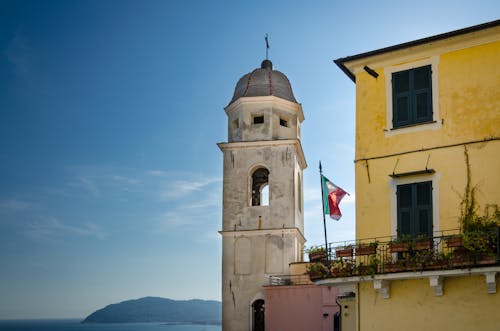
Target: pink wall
(300,307)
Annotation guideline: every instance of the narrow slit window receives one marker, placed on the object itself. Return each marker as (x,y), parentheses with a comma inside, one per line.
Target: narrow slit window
(283,122)
(258,119)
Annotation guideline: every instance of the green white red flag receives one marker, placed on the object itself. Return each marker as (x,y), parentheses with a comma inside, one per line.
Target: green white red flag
(332,195)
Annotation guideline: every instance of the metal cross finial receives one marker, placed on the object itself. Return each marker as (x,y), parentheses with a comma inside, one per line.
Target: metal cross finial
(267,46)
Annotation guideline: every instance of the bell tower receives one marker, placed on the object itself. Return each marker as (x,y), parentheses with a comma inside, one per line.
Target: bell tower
(262,218)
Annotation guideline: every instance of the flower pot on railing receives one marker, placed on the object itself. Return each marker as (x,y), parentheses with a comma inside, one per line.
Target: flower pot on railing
(454,241)
(317,256)
(317,271)
(420,245)
(341,268)
(436,265)
(366,249)
(460,260)
(394,267)
(485,260)
(398,247)
(343,252)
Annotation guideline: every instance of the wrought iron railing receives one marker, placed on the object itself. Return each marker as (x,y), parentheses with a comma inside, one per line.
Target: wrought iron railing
(444,250)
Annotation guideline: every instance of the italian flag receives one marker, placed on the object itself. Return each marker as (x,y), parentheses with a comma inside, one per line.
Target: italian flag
(332,195)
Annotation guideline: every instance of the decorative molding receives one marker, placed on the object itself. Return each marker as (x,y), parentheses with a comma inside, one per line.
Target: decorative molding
(264,232)
(491,283)
(270,99)
(436,282)
(267,143)
(382,287)
(381,283)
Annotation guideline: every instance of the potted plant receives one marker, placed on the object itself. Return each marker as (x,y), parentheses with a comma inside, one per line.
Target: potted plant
(316,253)
(317,271)
(441,261)
(397,266)
(368,269)
(400,244)
(344,251)
(454,241)
(341,268)
(422,243)
(367,249)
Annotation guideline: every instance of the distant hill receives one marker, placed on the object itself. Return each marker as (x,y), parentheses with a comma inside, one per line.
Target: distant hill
(152,309)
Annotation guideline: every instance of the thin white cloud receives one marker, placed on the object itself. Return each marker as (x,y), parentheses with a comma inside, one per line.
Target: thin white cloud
(87,185)
(159,173)
(52,229)
(14,206)
(180,188)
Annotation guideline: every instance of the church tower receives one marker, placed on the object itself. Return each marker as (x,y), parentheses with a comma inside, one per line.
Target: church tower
(263,214)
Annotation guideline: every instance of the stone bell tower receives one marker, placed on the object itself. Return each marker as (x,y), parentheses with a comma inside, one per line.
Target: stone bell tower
(262,220)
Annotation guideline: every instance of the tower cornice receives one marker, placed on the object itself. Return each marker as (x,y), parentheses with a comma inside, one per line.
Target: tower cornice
(260,232)
(267,143)
(270,99)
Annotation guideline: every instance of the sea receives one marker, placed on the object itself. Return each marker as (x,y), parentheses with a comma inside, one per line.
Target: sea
(76,325)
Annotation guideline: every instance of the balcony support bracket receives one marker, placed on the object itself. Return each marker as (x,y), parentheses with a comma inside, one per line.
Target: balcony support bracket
(382,286)
(436,282)
(491,281)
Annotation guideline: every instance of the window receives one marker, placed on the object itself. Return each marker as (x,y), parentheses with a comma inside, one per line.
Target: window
(414,209)
(283,122)
(412,96)
(260,183)
(258,119)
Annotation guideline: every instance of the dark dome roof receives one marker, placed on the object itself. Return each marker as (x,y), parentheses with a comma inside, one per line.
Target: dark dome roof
(264,81)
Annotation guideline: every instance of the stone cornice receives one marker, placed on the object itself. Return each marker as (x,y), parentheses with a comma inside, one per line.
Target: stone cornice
(267,143)
(255,232)
(292,106)
(382,282)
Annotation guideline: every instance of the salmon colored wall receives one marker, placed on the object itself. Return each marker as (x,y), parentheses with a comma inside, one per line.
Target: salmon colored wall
(300,307)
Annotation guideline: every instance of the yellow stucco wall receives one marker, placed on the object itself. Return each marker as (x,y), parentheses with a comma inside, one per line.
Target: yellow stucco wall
(469,108)
(465,305)
(469,112)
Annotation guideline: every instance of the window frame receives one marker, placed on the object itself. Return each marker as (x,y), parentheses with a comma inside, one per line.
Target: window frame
(435,123)
(413,210)
(395,182)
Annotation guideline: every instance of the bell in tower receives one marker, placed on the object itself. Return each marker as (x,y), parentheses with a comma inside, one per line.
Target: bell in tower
(262,219)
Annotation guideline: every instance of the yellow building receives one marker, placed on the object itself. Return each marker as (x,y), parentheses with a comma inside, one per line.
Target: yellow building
(427,146)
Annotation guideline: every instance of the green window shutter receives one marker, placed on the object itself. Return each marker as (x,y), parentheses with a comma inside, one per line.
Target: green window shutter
(401,98)
(412,96)
(414,209)
(405,213)
(423,208)
(422,94)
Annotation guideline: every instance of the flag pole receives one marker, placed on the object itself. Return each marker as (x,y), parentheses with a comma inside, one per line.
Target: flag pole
(323,211)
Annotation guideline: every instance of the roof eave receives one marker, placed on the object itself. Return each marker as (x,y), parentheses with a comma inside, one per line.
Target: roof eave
(340,62)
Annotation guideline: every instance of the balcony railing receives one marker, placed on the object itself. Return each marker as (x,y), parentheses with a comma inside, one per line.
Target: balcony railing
(444,250)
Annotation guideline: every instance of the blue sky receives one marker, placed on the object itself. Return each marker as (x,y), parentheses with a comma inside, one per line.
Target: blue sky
(110,111)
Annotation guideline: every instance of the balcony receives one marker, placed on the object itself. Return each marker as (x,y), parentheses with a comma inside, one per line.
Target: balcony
(446,254)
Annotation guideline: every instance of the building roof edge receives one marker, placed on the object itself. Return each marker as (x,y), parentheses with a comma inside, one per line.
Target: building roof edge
(340,62)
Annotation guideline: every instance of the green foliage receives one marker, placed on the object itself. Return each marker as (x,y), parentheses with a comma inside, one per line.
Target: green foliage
(405,238)
(315,250)
(479,231)
(317,269)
